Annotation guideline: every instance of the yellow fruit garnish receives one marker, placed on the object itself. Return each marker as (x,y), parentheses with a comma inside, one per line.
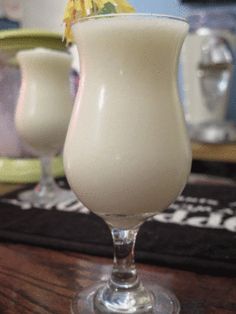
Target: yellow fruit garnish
(76,9)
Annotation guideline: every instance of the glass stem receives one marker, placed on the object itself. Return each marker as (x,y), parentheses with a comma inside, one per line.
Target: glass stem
(47,182)
(124,273)
(124,292)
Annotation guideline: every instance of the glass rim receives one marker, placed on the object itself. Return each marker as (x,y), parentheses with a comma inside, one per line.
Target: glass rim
(146,15)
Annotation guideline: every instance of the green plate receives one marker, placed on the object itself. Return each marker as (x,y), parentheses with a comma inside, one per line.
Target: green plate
(26,170)
(30,38)
(12,41)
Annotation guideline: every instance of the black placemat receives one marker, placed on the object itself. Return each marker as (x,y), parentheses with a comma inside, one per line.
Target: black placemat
(197,232)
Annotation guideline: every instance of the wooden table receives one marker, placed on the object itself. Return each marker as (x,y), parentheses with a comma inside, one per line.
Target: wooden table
(214,152)
(42,281)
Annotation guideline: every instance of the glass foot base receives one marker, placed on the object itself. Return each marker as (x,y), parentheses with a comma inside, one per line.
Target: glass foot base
(46,200)
(164,302)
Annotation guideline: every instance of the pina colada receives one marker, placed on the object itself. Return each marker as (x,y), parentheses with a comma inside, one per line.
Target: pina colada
(127,155)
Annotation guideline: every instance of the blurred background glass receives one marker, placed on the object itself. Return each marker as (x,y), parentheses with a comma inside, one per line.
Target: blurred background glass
(24,25)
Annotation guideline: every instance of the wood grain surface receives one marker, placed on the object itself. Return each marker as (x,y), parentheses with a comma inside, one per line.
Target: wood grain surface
(214,152)
(43,281)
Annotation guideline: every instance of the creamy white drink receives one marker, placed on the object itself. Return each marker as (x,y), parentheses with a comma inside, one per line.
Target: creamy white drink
(127,155)
(45,101)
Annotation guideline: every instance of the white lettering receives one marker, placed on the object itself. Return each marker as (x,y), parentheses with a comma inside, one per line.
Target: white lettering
(227,211)
(214,220)
(196,221)
(192,211)
(22,205)
(230,224)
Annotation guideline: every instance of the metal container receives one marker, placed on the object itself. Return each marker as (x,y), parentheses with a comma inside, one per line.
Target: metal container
(208,67)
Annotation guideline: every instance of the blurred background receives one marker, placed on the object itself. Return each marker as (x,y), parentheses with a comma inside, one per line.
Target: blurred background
(207,73)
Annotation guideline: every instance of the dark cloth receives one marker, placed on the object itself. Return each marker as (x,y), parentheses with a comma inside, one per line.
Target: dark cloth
(197,232)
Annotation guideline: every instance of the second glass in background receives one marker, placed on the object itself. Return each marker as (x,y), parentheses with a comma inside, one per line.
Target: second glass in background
(42,115)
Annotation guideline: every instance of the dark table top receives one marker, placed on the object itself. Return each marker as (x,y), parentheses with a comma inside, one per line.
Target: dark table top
(43,281)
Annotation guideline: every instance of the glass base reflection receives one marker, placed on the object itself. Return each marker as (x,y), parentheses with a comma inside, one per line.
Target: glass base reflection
(163,302)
